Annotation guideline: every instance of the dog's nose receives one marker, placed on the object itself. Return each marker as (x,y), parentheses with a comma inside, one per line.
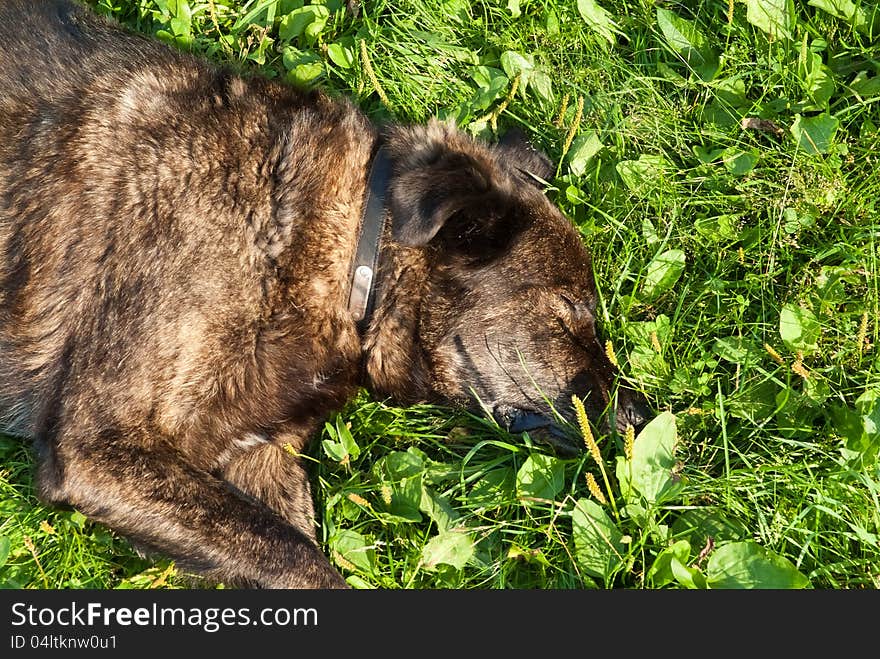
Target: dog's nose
(632,410)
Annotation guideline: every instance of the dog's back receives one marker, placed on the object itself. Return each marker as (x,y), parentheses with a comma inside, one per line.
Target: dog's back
(163,211)
(166,295)
(64,133)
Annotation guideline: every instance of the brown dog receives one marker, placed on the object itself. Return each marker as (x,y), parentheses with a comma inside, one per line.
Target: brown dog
(197,267)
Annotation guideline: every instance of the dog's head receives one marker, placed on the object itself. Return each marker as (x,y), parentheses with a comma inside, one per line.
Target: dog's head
(491,302)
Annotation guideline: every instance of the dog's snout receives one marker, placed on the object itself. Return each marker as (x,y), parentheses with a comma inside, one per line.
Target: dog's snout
(516,419)
(632,410)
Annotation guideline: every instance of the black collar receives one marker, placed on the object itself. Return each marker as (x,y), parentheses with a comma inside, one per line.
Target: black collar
(362,297)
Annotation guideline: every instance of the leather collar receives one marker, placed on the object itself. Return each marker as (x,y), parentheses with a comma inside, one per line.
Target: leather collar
(362,295)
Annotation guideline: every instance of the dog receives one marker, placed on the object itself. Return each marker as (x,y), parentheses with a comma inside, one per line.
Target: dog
(197,266)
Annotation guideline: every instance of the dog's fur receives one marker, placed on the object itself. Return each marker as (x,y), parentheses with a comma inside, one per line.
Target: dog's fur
(175,251)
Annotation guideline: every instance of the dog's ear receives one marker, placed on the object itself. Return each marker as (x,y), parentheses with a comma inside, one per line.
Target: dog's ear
(531,164)
(454,185)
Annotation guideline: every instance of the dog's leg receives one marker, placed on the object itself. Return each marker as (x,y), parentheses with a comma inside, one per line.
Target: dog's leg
(139,485)
(276,479)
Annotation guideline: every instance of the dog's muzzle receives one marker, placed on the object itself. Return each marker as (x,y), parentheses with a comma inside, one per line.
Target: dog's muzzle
(539,426)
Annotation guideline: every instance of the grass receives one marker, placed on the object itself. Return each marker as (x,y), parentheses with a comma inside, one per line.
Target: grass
(737,265)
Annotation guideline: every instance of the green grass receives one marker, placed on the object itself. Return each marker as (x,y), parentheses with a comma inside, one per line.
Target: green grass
(738,274)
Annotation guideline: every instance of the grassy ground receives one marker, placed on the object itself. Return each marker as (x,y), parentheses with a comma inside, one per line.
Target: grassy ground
(737,263)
